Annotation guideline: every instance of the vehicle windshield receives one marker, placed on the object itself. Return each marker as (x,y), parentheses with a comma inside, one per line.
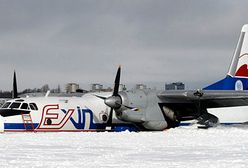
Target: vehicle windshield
(15,105)
(19,105)
(24,106)
(6,105)
(33,106)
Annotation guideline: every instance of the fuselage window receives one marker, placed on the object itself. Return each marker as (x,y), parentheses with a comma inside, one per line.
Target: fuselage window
(15,105)
(33,106)
(6,105)
(24,106)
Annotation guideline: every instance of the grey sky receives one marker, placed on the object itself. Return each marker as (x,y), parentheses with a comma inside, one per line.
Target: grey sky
(60,41)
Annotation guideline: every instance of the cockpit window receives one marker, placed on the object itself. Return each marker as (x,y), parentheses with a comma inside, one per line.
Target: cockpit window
(24,106)
(6,105)
(15,105)
(33,106)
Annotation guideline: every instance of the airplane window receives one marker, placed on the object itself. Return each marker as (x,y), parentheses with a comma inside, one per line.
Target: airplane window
(24,106)
(15,105)
(33,106)
(6,105)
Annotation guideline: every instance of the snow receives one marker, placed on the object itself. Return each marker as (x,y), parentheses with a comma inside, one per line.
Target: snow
(179,147)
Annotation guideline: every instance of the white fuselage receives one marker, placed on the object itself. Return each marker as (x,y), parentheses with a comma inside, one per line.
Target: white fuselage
(231,115)
(86,113)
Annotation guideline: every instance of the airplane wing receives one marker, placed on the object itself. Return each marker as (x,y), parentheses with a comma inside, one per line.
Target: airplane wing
(207,98)
(192,104)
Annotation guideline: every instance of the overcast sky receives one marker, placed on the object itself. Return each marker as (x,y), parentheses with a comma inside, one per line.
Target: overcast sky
(58,41)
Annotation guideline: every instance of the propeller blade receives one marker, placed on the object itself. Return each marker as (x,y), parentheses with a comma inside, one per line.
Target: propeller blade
(128,107)
(101,97)
(109,122)
(14,92)
(117,82)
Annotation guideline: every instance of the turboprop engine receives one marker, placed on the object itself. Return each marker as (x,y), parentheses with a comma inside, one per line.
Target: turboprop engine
(144,109)
(139,106)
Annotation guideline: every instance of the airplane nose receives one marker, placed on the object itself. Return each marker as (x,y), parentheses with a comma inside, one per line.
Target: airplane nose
(1,124)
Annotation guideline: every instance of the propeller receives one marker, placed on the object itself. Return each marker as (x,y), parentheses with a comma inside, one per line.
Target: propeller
(14,92)
(114,101)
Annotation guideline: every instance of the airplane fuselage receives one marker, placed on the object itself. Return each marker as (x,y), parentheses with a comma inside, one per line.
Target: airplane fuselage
(50,114)
(89,113)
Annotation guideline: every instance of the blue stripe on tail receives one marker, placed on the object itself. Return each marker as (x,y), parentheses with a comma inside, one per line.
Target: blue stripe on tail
(229,83)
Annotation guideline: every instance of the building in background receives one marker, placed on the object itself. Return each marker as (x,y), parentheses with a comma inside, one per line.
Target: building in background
(122,87)
(140,86)
(96,87)
(175,86)
(71,87)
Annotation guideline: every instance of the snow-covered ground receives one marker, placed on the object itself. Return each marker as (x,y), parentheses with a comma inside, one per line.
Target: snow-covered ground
(179,147)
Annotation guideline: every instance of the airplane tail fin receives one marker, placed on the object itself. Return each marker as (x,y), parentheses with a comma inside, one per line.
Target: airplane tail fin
(237,76)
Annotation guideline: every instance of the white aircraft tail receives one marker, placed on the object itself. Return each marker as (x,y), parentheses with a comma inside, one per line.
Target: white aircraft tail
(238,67)
(237,76)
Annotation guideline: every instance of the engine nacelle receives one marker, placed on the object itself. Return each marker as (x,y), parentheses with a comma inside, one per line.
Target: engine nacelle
(148,113)
(131,116)
(134,98)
